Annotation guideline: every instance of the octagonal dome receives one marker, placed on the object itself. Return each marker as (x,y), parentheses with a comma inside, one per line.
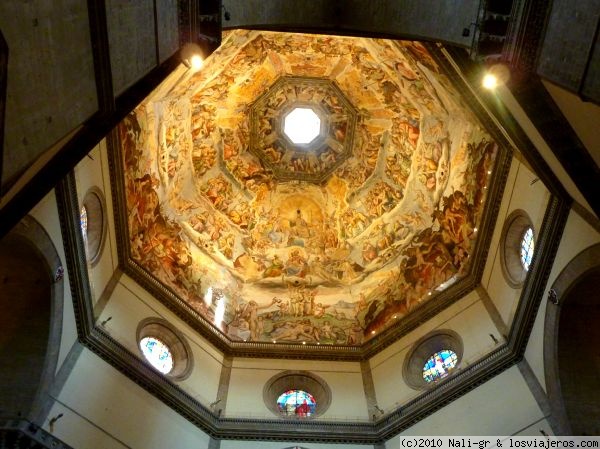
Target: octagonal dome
(332,246)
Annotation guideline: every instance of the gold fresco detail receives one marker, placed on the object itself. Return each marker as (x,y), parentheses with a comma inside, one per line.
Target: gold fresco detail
(331,249)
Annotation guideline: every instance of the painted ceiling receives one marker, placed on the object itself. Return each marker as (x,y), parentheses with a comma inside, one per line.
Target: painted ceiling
(329,242)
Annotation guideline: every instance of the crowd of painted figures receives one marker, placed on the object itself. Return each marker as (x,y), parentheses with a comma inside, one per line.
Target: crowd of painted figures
(331,262)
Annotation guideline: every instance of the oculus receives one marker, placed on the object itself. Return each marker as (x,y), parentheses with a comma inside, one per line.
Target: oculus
(301,125)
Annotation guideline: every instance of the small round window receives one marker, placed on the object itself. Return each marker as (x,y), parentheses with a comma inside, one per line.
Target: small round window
(93,221)
(297,394)
(157,353)
(296,403)
(439,365)
(165,348)
(83,218)
(517,248)
(527,248)
(434,357)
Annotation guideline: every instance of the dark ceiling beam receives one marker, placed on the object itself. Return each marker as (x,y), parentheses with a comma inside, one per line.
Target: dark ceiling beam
(91,133)
(561,138)
(3,80)
(101,54)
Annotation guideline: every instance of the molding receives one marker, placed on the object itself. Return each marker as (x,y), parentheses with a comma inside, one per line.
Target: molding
(525,35)
(431,400)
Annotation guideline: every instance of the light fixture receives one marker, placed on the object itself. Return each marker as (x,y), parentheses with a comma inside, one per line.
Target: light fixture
(191,56)
(496,75)
(196,62)
(489,81)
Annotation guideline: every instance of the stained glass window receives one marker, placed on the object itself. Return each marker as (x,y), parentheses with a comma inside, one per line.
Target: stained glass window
(157,353)
(527,248)
(296,403)
(439,365)
(83,218)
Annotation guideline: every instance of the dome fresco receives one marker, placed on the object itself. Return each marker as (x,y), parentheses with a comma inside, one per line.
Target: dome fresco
(329,242)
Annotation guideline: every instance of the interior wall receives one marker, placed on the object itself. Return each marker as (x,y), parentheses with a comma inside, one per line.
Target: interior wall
(129,304)
(577,235)
(507,98)
(503,405)
(102,408)
(522,192)
(93,171)
(45,212)
(467,317)
(583,117)
(249,376)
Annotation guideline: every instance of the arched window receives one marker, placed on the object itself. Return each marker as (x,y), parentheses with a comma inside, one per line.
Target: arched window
(93,224)
(163,347)
(517,248)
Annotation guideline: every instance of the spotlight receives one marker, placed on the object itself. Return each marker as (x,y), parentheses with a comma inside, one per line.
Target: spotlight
(191,56)
(490,82)
(196,62)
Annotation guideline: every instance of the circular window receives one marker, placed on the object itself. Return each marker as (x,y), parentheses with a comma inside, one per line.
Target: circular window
(157,353)
(302,125)
(164,348)
(432,358)
(296,403)
(527,248)
(517,248)
(439,365)
(297,394)
(93,224)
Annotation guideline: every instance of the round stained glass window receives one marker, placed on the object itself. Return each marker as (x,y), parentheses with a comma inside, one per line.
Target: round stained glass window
(157,353)
(527,248)
(83,218)
(439,365)
(296,403)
